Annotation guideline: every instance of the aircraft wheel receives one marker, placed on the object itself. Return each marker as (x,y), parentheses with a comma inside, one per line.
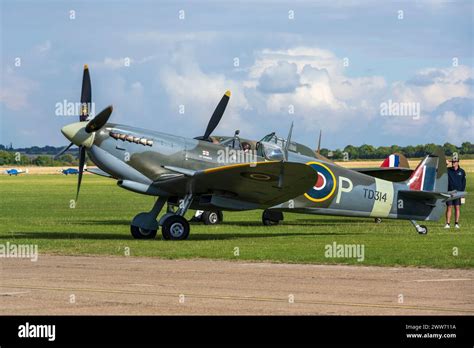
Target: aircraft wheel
(378,220)
(271,218)
(422,229)
(175,227)
(212,217)
(142,233)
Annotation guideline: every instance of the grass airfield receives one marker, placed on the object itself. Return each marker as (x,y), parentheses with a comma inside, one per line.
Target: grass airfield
(35,209)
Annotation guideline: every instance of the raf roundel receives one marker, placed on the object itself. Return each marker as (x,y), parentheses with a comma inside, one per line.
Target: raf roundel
(325,184)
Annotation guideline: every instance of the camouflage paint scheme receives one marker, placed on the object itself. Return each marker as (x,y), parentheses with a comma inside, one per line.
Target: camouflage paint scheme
(174,166)
(355,194)
(281,175)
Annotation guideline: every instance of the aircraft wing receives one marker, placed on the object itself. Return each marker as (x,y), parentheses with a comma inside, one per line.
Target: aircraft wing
(98,171)
(256,183)
(386,173)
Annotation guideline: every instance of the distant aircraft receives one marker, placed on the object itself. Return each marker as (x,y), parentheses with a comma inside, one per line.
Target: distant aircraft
(15,171)
(70,171)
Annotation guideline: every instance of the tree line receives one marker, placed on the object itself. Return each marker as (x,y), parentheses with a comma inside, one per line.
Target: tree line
(373,152)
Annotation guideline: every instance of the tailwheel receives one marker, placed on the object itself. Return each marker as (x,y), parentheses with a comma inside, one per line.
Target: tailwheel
(212,217)
(142,233)
(378,220)
(175,227)
(422,229)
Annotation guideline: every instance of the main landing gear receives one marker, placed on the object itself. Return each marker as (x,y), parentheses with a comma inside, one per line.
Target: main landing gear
(270,217)
(208,217)
(421,229)
(173,224)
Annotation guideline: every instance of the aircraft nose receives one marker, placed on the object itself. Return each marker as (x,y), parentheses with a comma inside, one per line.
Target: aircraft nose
(77,134)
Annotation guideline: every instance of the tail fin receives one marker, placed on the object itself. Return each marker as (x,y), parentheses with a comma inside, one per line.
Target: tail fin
(395,160)
(430,174)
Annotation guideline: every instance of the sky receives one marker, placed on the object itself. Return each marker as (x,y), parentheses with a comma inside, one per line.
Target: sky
(363,72)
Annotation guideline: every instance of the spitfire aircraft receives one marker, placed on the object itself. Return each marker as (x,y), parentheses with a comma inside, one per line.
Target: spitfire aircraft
(185,173)
(15,171)
(192,173)
(70,171)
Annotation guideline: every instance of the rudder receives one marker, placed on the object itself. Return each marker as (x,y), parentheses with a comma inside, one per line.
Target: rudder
(430,174)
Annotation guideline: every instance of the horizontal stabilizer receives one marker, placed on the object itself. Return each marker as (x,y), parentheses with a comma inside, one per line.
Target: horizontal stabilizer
(394,174)
(430,196)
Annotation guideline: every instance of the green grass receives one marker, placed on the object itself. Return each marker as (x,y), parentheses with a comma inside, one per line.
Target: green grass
(34,209)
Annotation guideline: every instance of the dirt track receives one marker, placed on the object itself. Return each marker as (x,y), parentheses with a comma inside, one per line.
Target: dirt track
(130,285)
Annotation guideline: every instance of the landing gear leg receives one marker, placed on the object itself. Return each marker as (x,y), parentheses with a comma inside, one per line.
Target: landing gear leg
(144,225)
(421,229)
(173,225)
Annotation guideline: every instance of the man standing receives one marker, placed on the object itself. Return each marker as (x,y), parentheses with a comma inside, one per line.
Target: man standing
(456,181)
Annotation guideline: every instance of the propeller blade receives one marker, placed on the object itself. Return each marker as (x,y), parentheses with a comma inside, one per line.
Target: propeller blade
(82,160)
(86,94)
(63,150)
(217,115)
(319,142)
(100,120)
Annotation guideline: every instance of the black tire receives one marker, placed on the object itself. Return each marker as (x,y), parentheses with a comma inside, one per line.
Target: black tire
(271,218)
(211,217)
(175,227)
(268,222)
(378,220)
(424,229)
(142,233)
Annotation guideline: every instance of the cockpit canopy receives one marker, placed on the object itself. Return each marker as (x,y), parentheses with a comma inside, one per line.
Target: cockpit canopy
(273,143)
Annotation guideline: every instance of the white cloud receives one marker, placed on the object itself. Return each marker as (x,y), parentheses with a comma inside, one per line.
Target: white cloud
(281,78)
(186,84)
(315,83)
(15,89)
(431,87)
(456,127)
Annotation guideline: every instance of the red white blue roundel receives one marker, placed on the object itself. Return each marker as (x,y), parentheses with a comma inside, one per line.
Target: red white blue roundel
(325,184)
